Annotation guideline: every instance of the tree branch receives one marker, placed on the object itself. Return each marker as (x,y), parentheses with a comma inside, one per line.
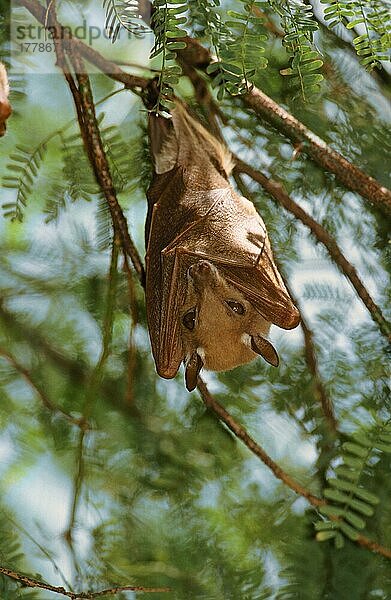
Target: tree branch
(277,191)
(199,57)
(35,583)
(255,448)
(278,472)
(84,104)
(348,174)
(310,354)
(108,67)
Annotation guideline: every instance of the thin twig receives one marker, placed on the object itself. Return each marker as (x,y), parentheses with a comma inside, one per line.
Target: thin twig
(42,395)
(101,169)
(34,583)
(277,191)
(255,448)
(112,70)
(46,553)
(278,472)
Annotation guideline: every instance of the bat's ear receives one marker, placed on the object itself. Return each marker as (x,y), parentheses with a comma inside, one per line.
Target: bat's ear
(193,368)
(263,347)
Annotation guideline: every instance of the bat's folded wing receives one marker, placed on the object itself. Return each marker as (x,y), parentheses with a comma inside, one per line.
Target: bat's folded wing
(166,295)
(265,292)
(219,226)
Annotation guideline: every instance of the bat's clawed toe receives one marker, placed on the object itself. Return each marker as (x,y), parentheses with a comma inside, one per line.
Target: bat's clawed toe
(203,273)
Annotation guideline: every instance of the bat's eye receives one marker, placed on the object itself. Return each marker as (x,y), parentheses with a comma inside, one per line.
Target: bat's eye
(236,307)
(189,319)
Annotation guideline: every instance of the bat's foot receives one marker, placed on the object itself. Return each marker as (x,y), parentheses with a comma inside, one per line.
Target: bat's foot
(203,273)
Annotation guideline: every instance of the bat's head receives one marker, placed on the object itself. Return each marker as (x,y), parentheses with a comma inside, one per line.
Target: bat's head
(220,329)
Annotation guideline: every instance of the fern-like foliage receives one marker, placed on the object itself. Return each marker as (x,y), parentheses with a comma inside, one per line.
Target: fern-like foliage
(237,41)
(299,27)
(77,171)
(123,14)
(23,170)
(325,292)
(11,556)
(373,45)
(168,23)
(118,153)
(350,502)
(77,181)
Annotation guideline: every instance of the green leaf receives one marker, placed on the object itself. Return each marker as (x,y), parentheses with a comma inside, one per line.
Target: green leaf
(384,447)
(367,496)
(336,495)
(354,463)
(361,507)
(354,23)
(355,520)
(331,511)
(349,531)
(176,33)
(343,471)
(176,45)
(214,66)
(355,449)
(322,536)
(313,78)
(311,66)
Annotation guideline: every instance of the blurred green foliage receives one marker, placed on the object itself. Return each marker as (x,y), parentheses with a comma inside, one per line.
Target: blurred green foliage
(157,491)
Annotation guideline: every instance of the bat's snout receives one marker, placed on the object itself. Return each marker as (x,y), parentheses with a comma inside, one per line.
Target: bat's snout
(203,272)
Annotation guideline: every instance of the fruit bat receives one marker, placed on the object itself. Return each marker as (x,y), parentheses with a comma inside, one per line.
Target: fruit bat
(5,107)
(212,287)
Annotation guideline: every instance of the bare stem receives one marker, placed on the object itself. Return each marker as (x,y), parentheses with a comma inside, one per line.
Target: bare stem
(256,449)
(35,583)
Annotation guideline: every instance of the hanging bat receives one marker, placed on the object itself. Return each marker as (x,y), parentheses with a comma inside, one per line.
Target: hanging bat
(5,107)
(212,287)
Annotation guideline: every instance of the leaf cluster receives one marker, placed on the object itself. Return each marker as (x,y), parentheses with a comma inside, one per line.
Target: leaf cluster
(374,44)
(238,42)
(350,502)
(168,22)
(123,14)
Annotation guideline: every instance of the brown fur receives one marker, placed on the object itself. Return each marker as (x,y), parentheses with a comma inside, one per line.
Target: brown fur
(220,337)
(196,218)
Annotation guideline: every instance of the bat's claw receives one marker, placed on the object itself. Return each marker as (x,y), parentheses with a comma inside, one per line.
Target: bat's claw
(202,272)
